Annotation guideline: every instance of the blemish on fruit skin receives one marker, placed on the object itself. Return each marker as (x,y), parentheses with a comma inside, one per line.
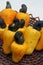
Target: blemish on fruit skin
(30,41)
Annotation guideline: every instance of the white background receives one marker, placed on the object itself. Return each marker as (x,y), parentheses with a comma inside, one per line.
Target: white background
(34,6)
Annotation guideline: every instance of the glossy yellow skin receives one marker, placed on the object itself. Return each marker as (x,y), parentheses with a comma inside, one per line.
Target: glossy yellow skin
(8,37)
(1,32)
(18,51)
(31,37)
(39,46)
